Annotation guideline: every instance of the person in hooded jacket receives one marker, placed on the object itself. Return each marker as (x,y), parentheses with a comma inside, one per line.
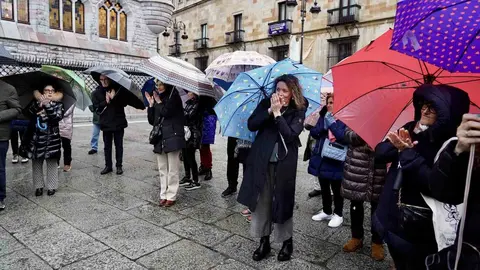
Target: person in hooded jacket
(194,122)
(403,218)
(165,109)
(109,102)
(42,140)
(268,187)
(363,180)
(329,171)
(447,184)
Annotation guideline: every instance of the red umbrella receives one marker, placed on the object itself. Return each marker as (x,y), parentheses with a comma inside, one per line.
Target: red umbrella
(374,88)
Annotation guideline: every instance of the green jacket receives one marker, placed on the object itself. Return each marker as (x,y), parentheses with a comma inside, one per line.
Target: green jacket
(9,109)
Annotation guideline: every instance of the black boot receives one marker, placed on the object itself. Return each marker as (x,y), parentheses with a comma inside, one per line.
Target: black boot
(39,192)
(208,175)
(263,250)
(106,170)
(286,252)
(119,170)
(201,170)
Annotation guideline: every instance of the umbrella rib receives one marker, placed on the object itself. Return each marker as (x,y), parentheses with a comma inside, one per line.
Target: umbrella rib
(239,106)
(388,65)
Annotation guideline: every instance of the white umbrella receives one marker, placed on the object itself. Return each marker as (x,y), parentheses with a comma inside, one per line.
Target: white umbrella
(229,65)
(178,73)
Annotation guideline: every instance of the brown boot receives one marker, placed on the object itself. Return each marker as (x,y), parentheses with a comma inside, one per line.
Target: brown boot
(353,245)
(378,252)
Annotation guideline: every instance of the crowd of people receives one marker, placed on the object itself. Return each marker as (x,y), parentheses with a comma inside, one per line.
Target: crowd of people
(411,162)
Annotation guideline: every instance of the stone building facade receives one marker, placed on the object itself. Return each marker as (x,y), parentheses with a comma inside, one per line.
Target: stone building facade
(85,31)
(218,26)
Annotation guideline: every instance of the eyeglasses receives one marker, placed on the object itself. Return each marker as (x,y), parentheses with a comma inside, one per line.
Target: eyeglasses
(428,108)
(50,90)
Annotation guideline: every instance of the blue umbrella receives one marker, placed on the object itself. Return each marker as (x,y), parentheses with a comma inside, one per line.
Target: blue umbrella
(251,87)
(147,88)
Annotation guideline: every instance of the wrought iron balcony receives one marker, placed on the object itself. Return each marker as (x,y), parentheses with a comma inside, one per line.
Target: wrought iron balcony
(200,44)
(280,28)
(234,36)
(344,15)
(174,50)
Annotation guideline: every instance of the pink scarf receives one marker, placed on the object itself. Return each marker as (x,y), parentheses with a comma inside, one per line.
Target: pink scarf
(331,137)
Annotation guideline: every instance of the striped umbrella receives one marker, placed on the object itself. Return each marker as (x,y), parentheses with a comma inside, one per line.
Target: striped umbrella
(178,73)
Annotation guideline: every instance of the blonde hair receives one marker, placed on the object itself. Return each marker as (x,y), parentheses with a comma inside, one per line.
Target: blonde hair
(293,85)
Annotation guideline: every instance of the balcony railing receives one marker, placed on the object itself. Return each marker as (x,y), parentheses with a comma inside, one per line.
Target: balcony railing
(200,44)
(174,50)
(344,15)
(280,28)
(234,36)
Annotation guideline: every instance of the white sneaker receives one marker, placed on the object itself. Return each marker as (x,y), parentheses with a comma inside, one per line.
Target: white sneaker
(335,221)
(15,159)
(25,160)
(322,216)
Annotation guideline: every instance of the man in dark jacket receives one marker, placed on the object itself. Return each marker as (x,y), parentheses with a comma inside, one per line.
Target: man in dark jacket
(109,101)
(9,109)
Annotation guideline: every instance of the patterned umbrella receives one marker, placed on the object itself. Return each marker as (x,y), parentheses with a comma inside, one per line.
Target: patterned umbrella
(445,33)
(251,87)
(229,65)
(78,84)
(178,73)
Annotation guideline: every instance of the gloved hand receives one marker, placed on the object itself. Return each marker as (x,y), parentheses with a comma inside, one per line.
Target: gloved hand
(329,120)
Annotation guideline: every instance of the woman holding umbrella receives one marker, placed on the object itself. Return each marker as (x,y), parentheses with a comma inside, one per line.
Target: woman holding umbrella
(268,187)
(44,142)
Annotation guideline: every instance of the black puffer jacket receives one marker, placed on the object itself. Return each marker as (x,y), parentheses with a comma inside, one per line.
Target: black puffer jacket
(43,143)
(194,121)
(171,110)
(363,176)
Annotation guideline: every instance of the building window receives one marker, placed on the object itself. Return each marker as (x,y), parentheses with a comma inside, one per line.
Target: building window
(201,63)
(280,52)
(8,8)
(346,9)
(203,28)
(79,17)
(340,49)
(238,22)
(22,11)
(113,26)
(282,11)
(71,11)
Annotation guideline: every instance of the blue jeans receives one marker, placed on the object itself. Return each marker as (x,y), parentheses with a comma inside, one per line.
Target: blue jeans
(95,135)
(3,175)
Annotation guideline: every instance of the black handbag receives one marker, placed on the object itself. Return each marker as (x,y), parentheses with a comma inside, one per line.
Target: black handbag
(156,133)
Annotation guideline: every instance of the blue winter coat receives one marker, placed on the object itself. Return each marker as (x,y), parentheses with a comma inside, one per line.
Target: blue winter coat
(324,167)
(209,127)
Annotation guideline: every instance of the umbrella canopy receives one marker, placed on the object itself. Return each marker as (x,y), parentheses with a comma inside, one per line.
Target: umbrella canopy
(27,83)
(445,33)
(376,85)
(5,57)
(251,87)
(228,66)
(119,76)
(82,95)
(178,73)
(327,87)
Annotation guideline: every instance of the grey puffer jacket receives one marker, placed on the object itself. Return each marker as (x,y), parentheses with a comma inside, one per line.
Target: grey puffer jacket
(9,109)
(363,176)
(66,124)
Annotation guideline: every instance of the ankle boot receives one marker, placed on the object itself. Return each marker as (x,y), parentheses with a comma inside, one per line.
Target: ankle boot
(263,250)
(208,175)
(286,252)
(201,170)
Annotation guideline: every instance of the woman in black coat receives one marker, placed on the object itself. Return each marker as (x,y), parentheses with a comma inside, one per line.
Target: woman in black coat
(403,218)
(268,187)
(194,122)
(42,139)
(165,109)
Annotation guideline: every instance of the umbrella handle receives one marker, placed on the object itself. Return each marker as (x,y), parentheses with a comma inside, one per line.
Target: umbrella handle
(41,126)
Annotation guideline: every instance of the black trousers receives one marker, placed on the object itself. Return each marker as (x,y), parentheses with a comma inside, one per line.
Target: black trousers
(14,136)
(108,138)
(357,214)
(233,164)
(67,151)
(335,185)
(190,163)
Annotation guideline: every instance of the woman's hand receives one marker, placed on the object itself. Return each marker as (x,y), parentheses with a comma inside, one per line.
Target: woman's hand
(276,105)
(157,97)
(401,140)
(468,133)
(149,99)
(44,100)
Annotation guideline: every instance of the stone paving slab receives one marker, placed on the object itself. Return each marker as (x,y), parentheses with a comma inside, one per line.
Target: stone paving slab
(206,213)
(60,244)
(183,255)
(108,260)
(135,238)
(8,243)
(231,264)
(22,259)
(26,219)
(197,231)
(156,215)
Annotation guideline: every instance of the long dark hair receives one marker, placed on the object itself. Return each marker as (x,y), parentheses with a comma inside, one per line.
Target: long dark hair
(293,85)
